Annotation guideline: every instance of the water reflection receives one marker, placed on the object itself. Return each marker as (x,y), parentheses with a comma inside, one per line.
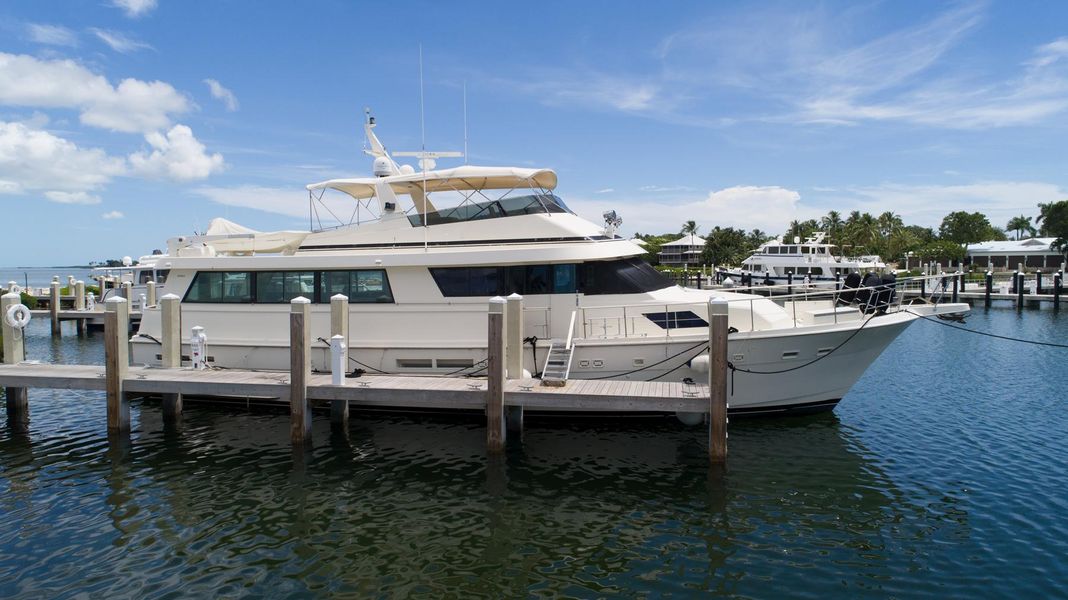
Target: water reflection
(401,505)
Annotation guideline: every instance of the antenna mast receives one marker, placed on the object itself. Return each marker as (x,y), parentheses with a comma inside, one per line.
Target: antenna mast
(465,121)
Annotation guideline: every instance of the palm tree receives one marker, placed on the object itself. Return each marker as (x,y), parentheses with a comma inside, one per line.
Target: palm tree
(690,228)
(832,224)
(1019,225)
(889,223)
(864,230)
(1044,209)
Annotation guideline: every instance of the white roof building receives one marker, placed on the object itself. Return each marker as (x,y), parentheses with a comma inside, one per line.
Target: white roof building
(692,240)
(683,251)
(1032,252)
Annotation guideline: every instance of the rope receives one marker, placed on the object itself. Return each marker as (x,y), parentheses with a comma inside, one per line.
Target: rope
(731,366)
(145,335)
(701,343)
(993,335)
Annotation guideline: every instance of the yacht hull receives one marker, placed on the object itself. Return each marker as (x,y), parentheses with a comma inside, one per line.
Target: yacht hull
(775,371)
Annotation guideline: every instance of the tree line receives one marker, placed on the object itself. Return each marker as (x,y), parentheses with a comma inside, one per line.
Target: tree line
(886,235)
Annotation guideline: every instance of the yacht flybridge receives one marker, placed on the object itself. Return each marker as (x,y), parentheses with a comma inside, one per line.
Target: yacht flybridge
(423,251)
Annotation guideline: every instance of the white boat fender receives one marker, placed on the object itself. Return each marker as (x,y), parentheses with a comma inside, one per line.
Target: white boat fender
(690,419)
(17,316)
(699,363)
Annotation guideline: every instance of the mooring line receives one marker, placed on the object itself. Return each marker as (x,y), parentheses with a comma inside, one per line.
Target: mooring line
(993,335)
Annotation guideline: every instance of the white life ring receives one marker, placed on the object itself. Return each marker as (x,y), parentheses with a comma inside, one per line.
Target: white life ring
(17,316)
(15,289)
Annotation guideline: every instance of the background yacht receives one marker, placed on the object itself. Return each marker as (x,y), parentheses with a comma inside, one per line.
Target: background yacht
(425,250)
(775,260)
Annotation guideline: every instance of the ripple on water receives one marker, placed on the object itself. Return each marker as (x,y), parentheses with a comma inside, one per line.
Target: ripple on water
(938,474)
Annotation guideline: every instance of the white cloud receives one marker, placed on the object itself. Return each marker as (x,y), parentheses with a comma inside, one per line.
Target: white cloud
(810,66)
(660,189)
(136,106)
(132,106)
(72,197)
(54,35)
(291,202)
(770,208)
(113,214)
(605,191)
(134,8)
(927,204)
(177,155)
(221,93)
(119,42)
(37,161)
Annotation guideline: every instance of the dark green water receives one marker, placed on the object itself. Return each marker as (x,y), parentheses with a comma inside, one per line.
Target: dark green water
(941,474)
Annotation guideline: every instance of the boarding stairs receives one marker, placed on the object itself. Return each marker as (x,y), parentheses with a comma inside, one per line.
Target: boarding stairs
(557,364)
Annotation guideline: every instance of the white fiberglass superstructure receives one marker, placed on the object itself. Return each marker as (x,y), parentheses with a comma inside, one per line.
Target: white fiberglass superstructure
(418,275)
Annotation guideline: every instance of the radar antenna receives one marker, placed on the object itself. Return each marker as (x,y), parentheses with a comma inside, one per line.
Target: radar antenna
(612,221)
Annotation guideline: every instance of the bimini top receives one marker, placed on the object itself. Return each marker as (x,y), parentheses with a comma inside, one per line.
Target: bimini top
(463,178)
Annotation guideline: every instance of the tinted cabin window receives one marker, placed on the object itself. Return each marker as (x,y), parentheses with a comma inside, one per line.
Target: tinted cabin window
(284,286)
(276,287)
(494,209)
(221,287)
(564,279)
(365,287)
(627,276)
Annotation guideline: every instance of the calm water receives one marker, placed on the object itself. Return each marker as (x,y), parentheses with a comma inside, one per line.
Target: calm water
(941,473)
(39,277)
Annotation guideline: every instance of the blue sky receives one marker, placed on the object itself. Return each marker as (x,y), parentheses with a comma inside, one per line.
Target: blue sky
(124,123)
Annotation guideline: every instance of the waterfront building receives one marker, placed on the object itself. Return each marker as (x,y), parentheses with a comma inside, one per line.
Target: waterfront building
(683,252)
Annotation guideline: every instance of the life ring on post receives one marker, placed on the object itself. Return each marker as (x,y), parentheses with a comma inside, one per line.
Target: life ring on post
(17,316)
(15,289)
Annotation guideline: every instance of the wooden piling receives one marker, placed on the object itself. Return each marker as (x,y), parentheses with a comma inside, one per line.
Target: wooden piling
(513,355)
(171,354)
(299,370)
(53,306)
(955,296)
(495,423)
(150,298)
(81,325)
(18,404)
(339,325)
(717,380)
(1019,290)
(116,362)
(989,287)
(1058,277)
(1038,282)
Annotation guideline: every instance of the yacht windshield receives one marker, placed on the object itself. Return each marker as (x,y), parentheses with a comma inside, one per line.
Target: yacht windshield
(493,209)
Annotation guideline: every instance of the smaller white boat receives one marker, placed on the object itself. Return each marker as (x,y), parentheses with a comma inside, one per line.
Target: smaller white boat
(813,259)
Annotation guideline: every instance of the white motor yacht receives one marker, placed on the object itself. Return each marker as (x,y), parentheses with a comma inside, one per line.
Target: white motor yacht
(776,261)
(418,274)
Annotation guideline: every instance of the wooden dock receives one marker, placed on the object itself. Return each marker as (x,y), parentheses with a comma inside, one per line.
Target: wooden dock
(504,394)
(371,391)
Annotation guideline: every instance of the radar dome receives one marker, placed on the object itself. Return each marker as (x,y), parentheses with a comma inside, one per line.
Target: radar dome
(127,261)
(407,169)
(383,167)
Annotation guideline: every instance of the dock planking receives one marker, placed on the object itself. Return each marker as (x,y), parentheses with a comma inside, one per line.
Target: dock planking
(502,399)
(380,391)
